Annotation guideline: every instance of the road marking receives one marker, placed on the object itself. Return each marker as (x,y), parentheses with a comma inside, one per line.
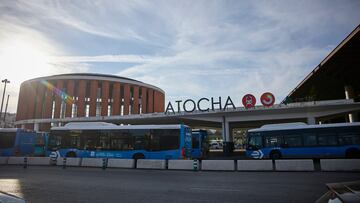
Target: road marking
(216,189)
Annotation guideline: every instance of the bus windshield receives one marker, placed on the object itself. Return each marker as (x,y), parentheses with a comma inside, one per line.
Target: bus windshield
(254,141)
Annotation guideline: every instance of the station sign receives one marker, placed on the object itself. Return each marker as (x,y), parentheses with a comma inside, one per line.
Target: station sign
(267,99)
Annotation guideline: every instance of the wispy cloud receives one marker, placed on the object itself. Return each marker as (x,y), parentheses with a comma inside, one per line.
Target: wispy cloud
(189,49)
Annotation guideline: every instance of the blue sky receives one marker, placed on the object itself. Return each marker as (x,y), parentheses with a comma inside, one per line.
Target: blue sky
(190,49)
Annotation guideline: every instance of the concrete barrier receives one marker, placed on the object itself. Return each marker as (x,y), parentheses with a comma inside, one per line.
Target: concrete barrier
(340,164)
(254,165)
(40,161)
(3,160)
(294,165)
(121,163)
(69,161)
(92,162)
(182,164)
(150,164)
(218,165)
(16,160)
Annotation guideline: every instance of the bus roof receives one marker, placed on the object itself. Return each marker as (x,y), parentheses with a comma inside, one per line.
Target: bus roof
(295,126)
(8,129)
(108,126)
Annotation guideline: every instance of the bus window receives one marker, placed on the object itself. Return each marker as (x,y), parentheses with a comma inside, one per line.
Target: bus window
(170,139)
(273,141)
(104,140)
(293,141)
(7,139)
(140,138)
(195,141)
(121,140)
(349,136)
(73,140)
(90,139)
(309,139)
(164,139)
(327,139)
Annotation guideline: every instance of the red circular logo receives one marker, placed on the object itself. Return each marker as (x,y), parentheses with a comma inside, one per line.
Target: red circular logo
(249,101)
(267,99)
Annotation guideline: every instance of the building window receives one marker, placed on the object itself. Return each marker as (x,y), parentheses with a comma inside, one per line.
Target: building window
(109,110)
(98,109)
(73,110)
(87,110)
(53,110)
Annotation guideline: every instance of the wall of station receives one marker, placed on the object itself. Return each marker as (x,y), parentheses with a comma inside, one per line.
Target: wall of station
(85,95)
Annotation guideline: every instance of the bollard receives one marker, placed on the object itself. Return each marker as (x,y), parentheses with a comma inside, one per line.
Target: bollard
(166,164)
(25,162)
(64,163)
(104,163)
(195,164)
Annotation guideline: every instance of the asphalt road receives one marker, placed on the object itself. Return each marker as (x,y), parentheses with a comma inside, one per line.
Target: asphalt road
(54,184)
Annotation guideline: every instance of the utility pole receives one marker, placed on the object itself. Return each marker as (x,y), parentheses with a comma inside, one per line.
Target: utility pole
(7,102)
(2,101)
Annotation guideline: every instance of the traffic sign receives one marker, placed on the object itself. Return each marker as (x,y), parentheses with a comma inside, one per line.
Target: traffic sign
(249,101)
(267,99)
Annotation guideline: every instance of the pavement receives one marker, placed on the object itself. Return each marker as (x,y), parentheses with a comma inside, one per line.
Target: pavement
(54,184)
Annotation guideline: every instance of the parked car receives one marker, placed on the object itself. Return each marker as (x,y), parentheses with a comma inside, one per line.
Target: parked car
(345,192)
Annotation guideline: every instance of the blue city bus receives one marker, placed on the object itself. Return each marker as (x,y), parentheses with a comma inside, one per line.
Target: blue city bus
(200,146)
(298,140)
(16,142)
(107,140)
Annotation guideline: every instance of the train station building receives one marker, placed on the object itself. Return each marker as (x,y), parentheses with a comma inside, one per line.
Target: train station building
(330,93)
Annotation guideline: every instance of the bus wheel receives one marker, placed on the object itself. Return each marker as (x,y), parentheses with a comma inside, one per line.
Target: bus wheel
(275,155)
(352,153)
(71,154)
(138,156)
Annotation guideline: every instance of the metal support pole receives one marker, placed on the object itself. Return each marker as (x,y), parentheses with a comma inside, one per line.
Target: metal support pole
(2,101)
(25,162)
(349,94)
(7,102)
(195,165)
(64,163)
(104,163)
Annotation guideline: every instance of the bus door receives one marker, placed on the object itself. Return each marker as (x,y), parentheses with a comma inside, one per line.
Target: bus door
(196,145)
(188,142)
(40,144)
(199,144)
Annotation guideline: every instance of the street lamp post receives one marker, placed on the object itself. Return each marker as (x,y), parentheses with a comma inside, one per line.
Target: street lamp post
(2,101)
(7,102)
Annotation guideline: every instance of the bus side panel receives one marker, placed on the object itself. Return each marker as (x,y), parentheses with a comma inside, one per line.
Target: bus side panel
(26,143)
(7,152)
(169,154)
(262,153)
(313,152)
